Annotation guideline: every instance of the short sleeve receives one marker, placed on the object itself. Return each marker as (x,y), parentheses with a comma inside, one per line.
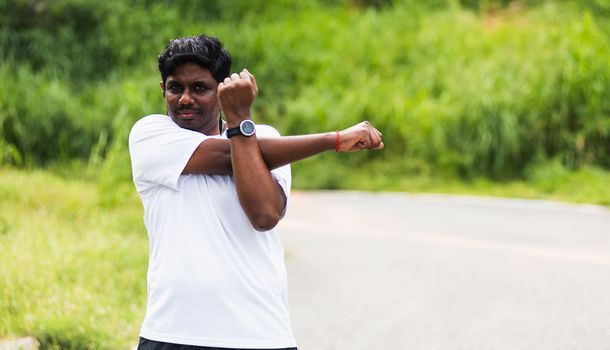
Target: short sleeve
(159,150)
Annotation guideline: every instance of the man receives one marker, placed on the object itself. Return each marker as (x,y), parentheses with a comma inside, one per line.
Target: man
(212,192)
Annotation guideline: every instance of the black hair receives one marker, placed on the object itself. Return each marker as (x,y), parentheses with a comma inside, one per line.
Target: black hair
(206,51)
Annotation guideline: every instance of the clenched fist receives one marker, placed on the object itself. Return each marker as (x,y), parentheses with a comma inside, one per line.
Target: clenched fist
(236,95)
(360,136)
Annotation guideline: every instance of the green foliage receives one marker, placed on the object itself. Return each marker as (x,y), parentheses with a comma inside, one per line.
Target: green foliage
(468,96)
(45,119)
(9,154)
(459,88)
(554,178)
(41,117)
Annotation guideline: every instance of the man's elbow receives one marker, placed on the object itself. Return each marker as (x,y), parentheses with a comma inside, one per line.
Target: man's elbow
(265,221)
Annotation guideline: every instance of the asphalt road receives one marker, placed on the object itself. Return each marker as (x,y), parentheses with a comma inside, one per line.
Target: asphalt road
(396,271)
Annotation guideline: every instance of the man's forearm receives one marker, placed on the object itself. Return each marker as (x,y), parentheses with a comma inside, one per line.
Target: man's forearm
(280,151)
(214,156)
(259,194)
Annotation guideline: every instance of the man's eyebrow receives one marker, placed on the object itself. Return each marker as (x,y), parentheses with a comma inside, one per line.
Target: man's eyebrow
(201,82)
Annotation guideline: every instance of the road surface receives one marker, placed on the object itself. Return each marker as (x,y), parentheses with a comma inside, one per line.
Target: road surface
(397,271)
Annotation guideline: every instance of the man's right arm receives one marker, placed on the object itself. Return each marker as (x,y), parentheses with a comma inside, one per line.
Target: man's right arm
(213,156)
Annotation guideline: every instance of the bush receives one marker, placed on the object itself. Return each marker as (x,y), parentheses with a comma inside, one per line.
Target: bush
(458,89)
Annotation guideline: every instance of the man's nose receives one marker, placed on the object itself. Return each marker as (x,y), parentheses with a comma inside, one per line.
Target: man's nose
(186,99)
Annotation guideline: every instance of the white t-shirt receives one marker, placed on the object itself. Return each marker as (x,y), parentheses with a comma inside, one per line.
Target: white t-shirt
(213,280)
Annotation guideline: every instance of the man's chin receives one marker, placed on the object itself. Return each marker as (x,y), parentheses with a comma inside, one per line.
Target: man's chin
(185,123)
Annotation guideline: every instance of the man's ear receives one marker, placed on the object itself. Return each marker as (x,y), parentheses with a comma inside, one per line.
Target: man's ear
(162,88)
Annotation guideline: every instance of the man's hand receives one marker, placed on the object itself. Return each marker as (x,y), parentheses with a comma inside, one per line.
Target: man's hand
(236,95)
(358,137)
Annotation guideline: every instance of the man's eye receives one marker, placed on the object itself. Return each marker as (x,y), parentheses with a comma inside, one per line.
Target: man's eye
(173,88)
(199,88)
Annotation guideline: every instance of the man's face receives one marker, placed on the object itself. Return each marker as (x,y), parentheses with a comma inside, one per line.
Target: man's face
(190,97)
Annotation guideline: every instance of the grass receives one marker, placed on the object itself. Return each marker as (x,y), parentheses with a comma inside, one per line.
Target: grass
(74,256)
(549,180)
(71,270)
(484,93)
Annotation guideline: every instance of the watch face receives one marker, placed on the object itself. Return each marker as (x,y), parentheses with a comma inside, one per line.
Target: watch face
(247,127)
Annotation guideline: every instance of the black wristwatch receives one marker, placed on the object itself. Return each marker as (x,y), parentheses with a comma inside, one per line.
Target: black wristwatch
(245,128)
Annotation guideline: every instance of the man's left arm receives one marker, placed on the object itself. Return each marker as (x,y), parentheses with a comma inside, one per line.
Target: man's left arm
(261,197)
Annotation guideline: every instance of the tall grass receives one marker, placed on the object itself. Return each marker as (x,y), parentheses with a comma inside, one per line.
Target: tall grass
(71,272)
(459,88)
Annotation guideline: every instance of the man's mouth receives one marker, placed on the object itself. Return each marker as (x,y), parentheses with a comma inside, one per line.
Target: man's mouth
(187,114)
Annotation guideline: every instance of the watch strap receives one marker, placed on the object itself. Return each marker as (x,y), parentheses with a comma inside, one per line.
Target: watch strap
(233,132)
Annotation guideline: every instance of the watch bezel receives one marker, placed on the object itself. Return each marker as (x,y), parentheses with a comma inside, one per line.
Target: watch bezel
(241,127)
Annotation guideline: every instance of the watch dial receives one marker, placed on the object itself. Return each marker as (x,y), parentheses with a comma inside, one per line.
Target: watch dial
(247,128)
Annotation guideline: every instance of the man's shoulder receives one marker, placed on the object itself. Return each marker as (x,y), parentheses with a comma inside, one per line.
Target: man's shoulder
(152,119)
(151,123)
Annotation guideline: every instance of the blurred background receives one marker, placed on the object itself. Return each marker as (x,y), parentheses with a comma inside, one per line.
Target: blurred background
(495,97)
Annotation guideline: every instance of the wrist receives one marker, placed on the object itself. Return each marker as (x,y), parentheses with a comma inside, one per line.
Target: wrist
(234,119)
(337,140)
(330,141)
